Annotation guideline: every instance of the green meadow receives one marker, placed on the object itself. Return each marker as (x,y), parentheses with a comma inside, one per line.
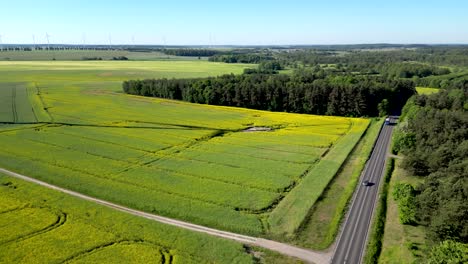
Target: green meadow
(69,124)
(427,90)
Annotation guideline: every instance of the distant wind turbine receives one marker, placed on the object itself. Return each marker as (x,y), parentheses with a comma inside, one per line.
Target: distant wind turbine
(1,43)
(34,41)
(110,41)
(48,43)
(83,37)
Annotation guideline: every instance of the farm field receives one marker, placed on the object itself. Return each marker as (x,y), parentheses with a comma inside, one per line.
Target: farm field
(186,161)
(77,55)
(44,226)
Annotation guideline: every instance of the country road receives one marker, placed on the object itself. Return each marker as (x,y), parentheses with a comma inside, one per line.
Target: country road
(303,254)
(353,240)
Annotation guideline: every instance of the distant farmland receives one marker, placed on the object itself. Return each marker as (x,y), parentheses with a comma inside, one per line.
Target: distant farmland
(78,55)
(187,161)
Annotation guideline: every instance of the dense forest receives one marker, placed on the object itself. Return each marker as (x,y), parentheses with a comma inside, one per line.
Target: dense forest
(455,56)
(241,58)
(433,140)
(302,92)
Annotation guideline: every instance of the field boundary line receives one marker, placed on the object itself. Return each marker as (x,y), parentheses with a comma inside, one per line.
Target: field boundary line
(43,103)
(13,104)
(30,93)
(293,251)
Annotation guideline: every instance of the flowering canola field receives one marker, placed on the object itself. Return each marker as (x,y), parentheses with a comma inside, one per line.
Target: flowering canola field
(187,161)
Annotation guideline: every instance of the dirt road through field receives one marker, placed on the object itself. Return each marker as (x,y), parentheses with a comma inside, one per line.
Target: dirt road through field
(303,254)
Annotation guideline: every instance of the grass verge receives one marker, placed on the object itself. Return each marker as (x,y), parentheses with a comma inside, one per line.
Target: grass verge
(291,212)
(401,243)
(324,219)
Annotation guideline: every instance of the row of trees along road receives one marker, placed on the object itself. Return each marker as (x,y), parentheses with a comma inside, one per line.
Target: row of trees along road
(433,140)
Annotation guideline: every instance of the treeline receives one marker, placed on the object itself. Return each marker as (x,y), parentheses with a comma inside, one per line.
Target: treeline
(120,58)
(100,58)
(301,92)
(410,70)
(190,52)
(91,58)
(433,139)
(241,58)
(455,80)
(269,67)
(368,60)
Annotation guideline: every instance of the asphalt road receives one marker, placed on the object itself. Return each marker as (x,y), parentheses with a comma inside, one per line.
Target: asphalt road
(353,239)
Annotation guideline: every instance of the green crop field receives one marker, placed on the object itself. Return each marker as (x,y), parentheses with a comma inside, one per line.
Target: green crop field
(186,161)
(76,55)
(427,90)
(38,225)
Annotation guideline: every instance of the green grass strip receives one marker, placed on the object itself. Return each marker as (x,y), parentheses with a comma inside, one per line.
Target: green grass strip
(293,209)
(320,228)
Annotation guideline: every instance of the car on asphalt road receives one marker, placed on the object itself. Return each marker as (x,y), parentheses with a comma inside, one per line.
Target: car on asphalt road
(366,183)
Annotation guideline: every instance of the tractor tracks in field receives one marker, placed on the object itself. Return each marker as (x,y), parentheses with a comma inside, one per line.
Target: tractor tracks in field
(60,220)
(293,251)
(166,256)
(46,109)
(13,105)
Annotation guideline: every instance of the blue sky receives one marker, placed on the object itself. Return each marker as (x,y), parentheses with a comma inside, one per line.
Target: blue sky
(221,22)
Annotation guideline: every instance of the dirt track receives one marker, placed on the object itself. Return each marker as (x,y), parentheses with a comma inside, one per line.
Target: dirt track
(303,254)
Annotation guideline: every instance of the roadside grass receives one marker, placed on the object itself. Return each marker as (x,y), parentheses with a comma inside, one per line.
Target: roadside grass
(262,256)
(41,225)
(322,224)
(427,90)
(401,243)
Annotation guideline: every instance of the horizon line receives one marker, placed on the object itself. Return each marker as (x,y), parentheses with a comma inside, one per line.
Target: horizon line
(240,45)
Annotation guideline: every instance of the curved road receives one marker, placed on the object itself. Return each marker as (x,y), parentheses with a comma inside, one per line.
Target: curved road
(353,240)
(304,254)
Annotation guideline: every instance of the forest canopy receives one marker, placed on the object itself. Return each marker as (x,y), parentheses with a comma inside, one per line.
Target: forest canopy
(302,92)
(433,140)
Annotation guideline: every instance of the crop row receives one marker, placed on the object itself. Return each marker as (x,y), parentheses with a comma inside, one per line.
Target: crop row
(82,152)
(280,151)
(255,165)
(248,171)
(292,210)
(135,196)
(200,189)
